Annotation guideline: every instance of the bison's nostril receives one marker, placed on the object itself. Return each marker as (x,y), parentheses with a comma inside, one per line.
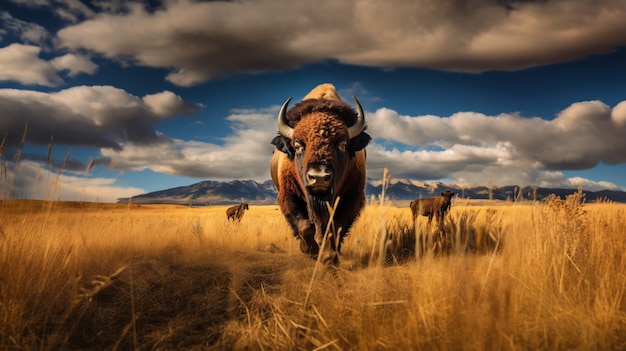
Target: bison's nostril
(319,176)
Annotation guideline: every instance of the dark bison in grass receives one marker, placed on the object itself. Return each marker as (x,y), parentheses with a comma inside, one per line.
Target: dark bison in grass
(236,212)
(433,207)
(320,156)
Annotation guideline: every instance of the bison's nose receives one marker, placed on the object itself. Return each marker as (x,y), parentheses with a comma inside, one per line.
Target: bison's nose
(319,177)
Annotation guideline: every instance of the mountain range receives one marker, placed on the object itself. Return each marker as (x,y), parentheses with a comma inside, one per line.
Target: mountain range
(221,193)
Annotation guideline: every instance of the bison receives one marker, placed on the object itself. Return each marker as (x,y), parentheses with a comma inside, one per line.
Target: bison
(236,212)
(435,206)
(319,157)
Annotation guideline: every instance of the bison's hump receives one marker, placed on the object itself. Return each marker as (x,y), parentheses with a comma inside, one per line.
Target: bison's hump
(323,91)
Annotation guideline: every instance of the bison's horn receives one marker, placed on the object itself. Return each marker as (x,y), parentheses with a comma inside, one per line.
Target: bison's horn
(283,128)
(359,124)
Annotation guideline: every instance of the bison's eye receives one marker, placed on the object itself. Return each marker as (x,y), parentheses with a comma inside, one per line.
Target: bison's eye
(342,146)
(299,147)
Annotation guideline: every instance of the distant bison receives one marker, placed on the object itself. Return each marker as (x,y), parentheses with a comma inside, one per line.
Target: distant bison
(320,156)
(236,212)
(433,207)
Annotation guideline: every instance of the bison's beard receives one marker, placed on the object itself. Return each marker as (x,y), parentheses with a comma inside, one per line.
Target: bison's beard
(318,208)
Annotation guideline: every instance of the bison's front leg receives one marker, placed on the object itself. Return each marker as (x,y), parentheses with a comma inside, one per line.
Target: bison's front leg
(294,208)
(312,239)
(306,232)
(329,255)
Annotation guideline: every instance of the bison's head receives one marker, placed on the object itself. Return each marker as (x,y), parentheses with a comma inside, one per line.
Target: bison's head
(322,143)
(447,198)
(448,194)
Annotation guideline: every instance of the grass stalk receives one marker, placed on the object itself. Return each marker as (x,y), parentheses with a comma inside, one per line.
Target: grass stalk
(318,264)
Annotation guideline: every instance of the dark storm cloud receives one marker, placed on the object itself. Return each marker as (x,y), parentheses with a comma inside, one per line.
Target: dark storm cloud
(97,116)
(69,164)
(203,40)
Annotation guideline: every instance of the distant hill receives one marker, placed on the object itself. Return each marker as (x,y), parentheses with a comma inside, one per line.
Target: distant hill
(222,193)
(211,193)
(404,189)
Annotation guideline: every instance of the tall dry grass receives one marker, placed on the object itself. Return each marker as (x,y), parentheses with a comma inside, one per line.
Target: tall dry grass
(548,275)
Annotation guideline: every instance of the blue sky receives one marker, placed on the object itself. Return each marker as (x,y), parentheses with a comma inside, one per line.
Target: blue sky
(150,95)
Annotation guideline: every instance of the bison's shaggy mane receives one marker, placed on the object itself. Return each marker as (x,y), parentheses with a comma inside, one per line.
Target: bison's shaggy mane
(337,108)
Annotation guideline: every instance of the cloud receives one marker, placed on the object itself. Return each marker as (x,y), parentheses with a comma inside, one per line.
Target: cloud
(33,3)
(203,40)
(72,10)
(166,104)
(21,63)
(244,154)
(466,148)
(618,114)
(504,149)
(31,180)
(68,10)
(28,32)
(96,116)
(75,64)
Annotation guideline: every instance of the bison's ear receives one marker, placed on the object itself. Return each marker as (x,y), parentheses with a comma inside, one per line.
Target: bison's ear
(283,144)
(442,194)
(357,143)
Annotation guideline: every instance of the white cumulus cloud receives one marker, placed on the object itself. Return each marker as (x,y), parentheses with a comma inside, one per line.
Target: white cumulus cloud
(244,154)
(30,180)
(469,148)
(21,63)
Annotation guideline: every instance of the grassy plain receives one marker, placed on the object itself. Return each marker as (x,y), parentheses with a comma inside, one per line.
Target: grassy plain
(543,276)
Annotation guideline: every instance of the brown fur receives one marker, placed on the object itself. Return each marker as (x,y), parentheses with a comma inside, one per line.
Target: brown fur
(337,108)
(320,124)
(433,207)
(236,212)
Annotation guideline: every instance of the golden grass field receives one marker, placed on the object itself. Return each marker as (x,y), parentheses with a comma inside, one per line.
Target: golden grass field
(89,276)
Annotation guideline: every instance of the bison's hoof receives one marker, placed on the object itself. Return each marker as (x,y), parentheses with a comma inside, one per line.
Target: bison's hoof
(330,259)
(305,228)
(309,248)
